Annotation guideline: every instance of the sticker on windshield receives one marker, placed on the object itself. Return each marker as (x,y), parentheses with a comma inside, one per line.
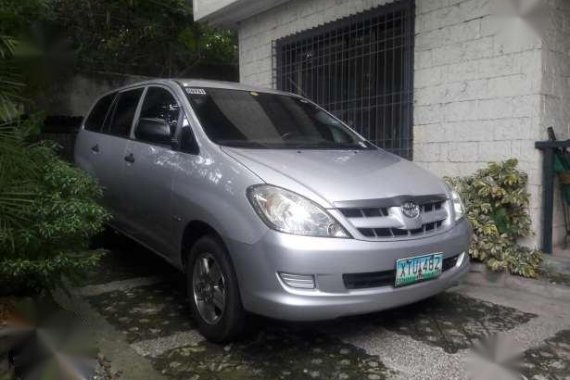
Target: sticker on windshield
(195,91)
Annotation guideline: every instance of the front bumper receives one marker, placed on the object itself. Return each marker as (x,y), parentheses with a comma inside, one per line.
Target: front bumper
(257,267)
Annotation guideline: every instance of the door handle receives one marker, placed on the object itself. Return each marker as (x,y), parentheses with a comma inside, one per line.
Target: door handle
(130,158)
(95,148)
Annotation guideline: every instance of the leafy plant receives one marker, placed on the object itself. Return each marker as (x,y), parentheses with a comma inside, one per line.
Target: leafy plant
(16,165)
(10,79)
(19,26)
(497,202)
(47,239)
(143,37)
(48,209)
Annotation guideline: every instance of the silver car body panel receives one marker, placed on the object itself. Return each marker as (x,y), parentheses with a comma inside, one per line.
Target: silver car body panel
(341,175)
(329,260)
(155,199)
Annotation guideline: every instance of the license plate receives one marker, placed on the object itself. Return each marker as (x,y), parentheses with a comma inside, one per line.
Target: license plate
(417,269)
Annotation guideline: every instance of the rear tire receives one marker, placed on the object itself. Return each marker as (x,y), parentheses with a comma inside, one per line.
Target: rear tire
(213,291)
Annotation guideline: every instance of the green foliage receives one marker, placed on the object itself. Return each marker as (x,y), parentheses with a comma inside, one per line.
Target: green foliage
(19,27)
(144,37)
(18,19)
(48,209)
(47,227)
(11,84)
(18,16)
(17,169)
(497,201)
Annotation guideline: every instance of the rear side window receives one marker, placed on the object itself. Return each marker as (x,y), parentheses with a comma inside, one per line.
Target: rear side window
(96,118)
(124,112)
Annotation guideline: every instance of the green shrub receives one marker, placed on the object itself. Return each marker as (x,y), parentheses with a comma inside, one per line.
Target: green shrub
(49,214)
(497,201)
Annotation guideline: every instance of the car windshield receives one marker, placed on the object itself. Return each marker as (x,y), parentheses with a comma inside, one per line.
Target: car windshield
(261,120)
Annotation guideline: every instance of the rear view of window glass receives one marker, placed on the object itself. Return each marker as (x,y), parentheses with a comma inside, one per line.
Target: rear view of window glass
(94,121)
(125,112)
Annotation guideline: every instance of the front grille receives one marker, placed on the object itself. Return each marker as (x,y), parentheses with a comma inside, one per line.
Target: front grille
(385,278)
(399,232)
(384,223)
(369,280)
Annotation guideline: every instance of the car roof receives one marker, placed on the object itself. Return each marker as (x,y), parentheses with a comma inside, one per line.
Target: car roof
(205,83)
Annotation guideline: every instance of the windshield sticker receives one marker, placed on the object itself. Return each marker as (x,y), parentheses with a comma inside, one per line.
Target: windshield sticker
(196,91)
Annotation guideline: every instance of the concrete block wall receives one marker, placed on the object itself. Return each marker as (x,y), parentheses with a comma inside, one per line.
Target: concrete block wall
(555,88)
(477,92)
(75,95)
(479,95)
(257,33)
(556,68)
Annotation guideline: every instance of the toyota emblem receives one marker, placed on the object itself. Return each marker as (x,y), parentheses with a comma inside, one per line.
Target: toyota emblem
(411,209)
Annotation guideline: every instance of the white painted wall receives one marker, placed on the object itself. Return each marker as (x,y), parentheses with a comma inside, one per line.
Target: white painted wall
(257,33)
(555,88)
(203,8)
(477,92)
(478,95)
(230,12)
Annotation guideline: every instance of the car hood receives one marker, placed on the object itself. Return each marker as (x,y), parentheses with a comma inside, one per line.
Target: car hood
(329,176)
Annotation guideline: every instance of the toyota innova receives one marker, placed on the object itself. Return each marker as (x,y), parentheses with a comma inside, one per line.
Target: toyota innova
(269,203)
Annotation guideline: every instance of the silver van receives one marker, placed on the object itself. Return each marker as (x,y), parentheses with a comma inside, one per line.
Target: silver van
(270,204)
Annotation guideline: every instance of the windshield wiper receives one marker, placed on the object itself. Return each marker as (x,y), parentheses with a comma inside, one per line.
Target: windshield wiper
(330,145)
(242,144)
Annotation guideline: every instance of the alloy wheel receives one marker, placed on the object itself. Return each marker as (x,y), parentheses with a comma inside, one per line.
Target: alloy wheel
(209,288)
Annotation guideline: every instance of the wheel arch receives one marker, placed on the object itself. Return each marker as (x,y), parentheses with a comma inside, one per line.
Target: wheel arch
(194,231)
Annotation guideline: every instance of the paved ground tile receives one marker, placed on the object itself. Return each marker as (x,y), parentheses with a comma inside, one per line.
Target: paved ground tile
(273,353)
(146,312)
(551,360)
(451,321)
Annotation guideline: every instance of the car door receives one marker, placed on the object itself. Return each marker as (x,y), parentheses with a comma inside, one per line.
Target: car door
(111,148)
(88,153)
(149,174)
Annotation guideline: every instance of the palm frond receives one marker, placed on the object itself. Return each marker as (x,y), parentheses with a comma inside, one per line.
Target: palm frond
(8,46)
(18,168)
(11,80)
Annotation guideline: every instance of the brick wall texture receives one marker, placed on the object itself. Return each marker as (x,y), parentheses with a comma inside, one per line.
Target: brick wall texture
(485,87)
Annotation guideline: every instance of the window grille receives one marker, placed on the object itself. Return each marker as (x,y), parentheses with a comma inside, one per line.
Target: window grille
(360,68)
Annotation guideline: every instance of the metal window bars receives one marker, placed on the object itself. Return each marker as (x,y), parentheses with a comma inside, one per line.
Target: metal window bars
(360,68)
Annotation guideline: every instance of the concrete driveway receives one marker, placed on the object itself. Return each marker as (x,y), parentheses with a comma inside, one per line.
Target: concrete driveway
(138,306)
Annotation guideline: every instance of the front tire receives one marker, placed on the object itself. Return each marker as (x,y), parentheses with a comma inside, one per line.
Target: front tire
(213,291)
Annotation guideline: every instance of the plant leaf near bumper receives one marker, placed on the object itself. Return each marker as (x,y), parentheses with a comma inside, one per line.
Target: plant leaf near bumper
(497,201)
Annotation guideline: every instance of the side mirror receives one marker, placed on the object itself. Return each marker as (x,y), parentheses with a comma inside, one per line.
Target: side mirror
(153,130)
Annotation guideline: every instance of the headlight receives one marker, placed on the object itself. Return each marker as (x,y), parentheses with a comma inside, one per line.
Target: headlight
(458,207)
(285,211)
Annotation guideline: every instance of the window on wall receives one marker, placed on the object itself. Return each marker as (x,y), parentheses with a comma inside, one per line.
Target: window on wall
(360,68)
